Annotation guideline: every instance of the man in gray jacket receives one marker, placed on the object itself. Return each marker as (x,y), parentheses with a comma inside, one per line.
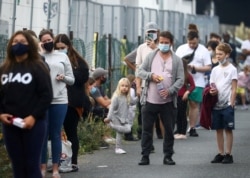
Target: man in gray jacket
(163,73)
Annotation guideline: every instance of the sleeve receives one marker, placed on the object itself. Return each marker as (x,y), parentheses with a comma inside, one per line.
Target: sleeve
(234,74)
(113,107)
(212,76)
(244,45)
(143,72)
(131,57)
(191,82)
(179,80)
(69,78)
(133,97)
(138,59)
(82,74)
(206,57)
(95,93)
(45,94)
(179,52)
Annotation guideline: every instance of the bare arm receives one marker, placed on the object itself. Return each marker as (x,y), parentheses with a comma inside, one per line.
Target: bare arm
(200,68)
(233,94)
(246,52)
(104,102)
(130,64)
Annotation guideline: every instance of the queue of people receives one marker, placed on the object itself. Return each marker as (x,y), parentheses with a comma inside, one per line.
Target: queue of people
(50,88)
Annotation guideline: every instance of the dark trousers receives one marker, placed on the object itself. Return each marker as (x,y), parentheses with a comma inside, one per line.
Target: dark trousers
(167,114)
(24,147)
(139,120)
(70,127)
(181,122)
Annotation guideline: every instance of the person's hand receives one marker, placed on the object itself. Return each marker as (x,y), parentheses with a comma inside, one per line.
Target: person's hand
(6,118)
(185,96)
(138,91)
(151,43)
(29,122)
(213,91)
(60,77)
(164,93)
(156,78)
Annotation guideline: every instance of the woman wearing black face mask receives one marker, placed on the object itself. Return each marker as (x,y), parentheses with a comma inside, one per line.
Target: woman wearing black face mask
(61,75)
(26,93)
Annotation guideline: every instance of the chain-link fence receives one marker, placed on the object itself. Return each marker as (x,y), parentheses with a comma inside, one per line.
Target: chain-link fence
(103,34)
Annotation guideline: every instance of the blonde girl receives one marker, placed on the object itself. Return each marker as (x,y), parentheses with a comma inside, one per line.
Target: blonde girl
(118,112)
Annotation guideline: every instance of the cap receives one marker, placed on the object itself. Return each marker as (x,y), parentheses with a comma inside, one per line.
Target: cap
(99,72)
(151,26)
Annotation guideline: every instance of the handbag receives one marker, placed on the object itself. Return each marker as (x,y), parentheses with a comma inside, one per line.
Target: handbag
(189,57)
(66,155)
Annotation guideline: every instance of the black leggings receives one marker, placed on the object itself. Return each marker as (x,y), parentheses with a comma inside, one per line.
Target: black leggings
(181,116)
(70,127)
(24,147)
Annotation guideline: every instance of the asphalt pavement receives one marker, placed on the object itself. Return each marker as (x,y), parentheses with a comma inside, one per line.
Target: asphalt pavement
(192,157)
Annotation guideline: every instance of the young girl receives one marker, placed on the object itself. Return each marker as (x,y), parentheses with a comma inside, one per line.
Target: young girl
(223,82)
(118,112)
(183,93)
(242,87)
(132,108)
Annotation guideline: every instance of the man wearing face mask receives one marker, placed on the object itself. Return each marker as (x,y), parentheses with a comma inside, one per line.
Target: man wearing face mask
(102,101)
(160,66)
(151,43)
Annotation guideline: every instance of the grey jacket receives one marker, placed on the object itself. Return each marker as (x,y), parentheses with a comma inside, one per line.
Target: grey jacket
(145,73)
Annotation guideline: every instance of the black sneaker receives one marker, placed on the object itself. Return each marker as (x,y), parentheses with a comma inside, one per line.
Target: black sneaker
(103,145)
(168,161)
(228,159)
(74,168)
(152,149)
(193,133)
(144,161)
(218,158)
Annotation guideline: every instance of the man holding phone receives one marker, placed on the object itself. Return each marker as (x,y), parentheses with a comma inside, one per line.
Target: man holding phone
(151,42)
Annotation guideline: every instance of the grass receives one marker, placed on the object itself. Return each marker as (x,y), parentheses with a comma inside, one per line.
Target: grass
(5,167)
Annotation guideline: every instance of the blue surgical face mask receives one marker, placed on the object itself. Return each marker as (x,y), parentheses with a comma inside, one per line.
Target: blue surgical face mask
(93,90)
(65,50)
(164,47)
(19,49)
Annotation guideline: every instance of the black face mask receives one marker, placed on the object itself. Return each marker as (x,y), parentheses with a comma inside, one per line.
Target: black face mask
(103,80)
(19,49)
(48,46)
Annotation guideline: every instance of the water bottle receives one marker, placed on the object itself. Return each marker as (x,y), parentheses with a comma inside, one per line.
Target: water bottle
(160,87)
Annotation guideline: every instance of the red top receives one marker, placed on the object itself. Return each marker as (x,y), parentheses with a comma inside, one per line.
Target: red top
(184,88)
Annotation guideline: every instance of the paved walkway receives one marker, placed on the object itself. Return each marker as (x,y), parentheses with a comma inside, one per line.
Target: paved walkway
(192,158)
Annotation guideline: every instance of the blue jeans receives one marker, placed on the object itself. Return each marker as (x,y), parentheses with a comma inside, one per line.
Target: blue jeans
(24,147)
(56,116)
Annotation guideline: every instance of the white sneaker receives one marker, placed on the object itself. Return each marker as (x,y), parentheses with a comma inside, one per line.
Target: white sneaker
(244,107)
(120,151)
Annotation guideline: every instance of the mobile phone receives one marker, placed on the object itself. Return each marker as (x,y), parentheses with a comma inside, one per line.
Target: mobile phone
(151,36)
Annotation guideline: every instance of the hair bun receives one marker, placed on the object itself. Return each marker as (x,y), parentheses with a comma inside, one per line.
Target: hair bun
(192,27)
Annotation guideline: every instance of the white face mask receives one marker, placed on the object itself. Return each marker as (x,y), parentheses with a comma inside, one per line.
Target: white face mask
(223,61)
(211,53)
